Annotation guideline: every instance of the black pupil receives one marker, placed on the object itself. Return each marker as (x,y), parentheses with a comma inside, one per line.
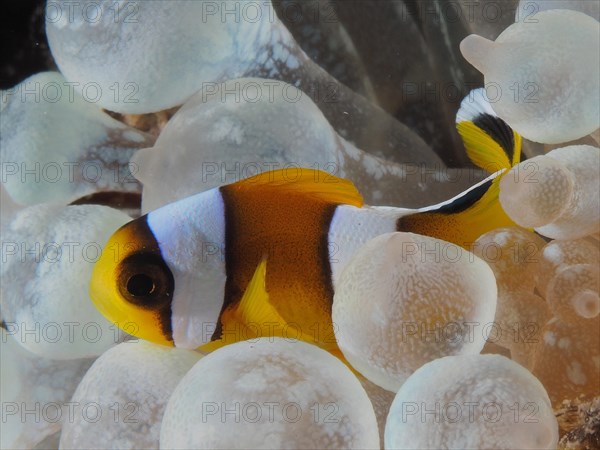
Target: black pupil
(140,285)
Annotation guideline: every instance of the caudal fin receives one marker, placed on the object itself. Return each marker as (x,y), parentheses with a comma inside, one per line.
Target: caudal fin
(491,145)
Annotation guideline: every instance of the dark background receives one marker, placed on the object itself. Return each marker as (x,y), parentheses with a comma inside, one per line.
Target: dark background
(24,49)
(392,53)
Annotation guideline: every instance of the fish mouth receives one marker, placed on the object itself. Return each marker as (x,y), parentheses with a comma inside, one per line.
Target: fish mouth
(194,316)
(185,334)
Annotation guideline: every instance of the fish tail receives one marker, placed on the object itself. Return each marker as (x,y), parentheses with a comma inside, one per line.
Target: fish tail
(491,145)
(490,142)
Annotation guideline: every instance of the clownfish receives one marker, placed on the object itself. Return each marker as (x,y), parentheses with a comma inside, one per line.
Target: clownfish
(262,256)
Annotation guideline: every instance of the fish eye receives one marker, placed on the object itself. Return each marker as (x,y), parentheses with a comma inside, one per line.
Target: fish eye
(145,280)
(140,285)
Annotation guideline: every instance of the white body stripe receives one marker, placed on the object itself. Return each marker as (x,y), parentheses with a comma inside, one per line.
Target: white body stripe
(352,227)
(191,236)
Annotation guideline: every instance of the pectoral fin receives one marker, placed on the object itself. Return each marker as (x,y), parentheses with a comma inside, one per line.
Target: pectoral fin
(255,308)
(255,316)
(252,317)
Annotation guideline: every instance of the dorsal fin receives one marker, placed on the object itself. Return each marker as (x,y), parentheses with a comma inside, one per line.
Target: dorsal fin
(316,183)
(490,142)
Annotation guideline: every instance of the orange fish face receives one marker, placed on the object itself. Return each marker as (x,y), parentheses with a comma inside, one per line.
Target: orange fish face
(132,286)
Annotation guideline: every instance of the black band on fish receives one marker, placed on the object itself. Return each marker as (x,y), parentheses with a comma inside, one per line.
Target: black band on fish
(144,279)
(499,131)
(464,202)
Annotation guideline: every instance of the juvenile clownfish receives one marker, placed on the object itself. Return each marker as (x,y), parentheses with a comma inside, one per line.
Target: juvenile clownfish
(261,257)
